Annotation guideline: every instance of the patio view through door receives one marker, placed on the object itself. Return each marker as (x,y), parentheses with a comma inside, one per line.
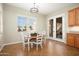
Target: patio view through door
(59,27)
(56,29)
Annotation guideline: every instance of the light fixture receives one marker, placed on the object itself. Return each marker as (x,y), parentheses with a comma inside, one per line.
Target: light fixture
(34,9)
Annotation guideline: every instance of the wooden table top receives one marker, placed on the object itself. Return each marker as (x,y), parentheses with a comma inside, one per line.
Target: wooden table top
(32,37)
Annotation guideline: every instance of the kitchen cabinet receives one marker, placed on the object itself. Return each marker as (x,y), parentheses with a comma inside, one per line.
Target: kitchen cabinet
(73,40)
(77,16)
(77,41)
(73,17)
(70,40)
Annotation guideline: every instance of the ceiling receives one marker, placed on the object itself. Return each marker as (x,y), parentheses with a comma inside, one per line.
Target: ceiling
(44,8)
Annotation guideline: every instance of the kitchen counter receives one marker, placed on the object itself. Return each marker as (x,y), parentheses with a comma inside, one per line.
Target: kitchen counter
(73,32)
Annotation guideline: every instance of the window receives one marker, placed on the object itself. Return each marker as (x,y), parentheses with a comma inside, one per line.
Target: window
(31,24)
(21,23)
(28,24)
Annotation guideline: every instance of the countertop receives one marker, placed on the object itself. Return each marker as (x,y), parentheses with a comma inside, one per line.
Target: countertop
(73,32)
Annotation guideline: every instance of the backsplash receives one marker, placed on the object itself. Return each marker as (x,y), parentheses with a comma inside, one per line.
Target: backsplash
(74,28)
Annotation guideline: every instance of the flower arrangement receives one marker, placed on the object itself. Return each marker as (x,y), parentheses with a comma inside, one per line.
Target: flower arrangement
(34,34)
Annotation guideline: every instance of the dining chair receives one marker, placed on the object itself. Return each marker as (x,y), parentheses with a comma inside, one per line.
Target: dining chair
(38,41)
(44,34)
(26,39)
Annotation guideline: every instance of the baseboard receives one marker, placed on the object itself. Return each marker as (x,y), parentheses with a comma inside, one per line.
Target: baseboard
(12,43)
(8,44)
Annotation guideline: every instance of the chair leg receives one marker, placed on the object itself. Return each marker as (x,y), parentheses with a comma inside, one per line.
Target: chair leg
(31,45)
(44,40)
(28,47)
(41,45)
(23,46)
(37,46)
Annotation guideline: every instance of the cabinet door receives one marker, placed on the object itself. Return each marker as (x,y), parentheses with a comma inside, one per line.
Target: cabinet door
(70,39)
(71,17)
(77,41)
(77,16)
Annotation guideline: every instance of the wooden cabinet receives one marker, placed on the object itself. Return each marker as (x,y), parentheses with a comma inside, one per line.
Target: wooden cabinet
(77,16)
(73,17)
(73,40)
(70,39)
(77,41)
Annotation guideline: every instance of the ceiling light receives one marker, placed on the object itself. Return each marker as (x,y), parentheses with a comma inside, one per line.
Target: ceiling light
(34,9)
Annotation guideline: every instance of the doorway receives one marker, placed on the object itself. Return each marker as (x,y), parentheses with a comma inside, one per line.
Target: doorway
(56,28)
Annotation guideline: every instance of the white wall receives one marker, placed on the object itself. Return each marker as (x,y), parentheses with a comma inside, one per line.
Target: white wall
(1,23)
(1,27)
(65,12)
(10,22)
